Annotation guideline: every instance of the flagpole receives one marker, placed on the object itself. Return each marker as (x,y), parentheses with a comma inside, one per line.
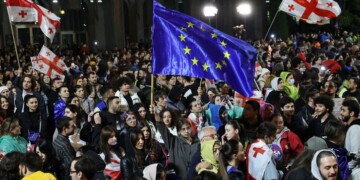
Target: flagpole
(13,36)
(152,92)
(271,23)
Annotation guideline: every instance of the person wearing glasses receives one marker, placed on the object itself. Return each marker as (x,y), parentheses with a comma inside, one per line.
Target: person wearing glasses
(82,168)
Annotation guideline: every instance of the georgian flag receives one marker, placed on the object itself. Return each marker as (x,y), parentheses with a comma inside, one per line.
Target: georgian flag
(313,11)
(48,63)
(28,11)
(258,156)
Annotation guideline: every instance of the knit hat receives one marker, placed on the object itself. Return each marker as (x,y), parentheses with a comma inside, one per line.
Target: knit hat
(2,88)
(315,143)
(264,71)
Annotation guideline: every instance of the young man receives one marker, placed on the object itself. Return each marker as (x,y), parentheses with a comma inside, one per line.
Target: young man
(65,153)
(82,168)
(30,168)
(324,165)
(349,114)
(323,114)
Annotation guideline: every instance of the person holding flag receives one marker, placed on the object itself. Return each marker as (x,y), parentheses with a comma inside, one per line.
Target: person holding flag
(260,163)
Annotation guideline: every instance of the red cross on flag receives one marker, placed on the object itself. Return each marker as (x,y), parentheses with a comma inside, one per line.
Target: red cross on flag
(313,11)
(28,11)
(48,63)
(258,155)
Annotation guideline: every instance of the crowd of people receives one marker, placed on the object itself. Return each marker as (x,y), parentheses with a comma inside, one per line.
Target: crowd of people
(100,122)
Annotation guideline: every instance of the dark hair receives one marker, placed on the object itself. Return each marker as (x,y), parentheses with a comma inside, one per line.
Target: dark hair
(76,87)
(32,161)
(295,62)
(323,154)
(173,116)
(137,106)
(334,129)
(121,81)
(85,165)
(158,95)
(254,104)
(285,100)
(142,124)
(230,148)
(104,146)
(44,148)
(62,122)
(326,101)
(208,175)
(310,93)
(27,98)
(352,105)
(110,99)
(74,109)
(31,79)
(265,129)
(59,89)
(9,165)
(356,81)
(182,122)
(6,113)
(53,80)
(303,160)
(159,170)
(235,125)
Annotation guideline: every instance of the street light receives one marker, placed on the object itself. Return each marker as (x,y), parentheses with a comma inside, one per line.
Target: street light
(210,11)
(244,9)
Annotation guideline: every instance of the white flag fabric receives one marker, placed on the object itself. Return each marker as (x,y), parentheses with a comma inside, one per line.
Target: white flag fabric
(48,63)
(28,11)
(313,11)
(257,157)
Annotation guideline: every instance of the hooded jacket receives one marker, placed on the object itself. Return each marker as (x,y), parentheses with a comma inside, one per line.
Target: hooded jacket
(207,153)
(315,171)
(291,90)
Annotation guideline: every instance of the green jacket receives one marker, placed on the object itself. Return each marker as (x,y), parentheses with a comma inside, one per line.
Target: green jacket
(291,90)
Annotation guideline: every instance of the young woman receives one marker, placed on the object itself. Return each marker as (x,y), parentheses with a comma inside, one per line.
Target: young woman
(182,147)
(72,112)
(60,104)
(168,117)
(44,150)
(232,131)
(141,116)
(10,137)
(32,120)
(136,158)
(111,152)
(5,109)
(231,154)
(130,122)
(289,143)
(155,150)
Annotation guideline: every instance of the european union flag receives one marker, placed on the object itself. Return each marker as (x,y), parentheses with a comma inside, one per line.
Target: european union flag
(185,46)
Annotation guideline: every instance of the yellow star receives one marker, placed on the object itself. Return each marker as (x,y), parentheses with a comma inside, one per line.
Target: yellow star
(194,61)
(187,50)
(223,43)
(218,66)
(224,62)
(190,24)
(226,55)
(213,35)
(183,28)
(182,37)
(205,66)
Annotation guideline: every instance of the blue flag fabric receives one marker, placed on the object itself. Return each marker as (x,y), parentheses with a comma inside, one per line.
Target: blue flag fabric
(185,46)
